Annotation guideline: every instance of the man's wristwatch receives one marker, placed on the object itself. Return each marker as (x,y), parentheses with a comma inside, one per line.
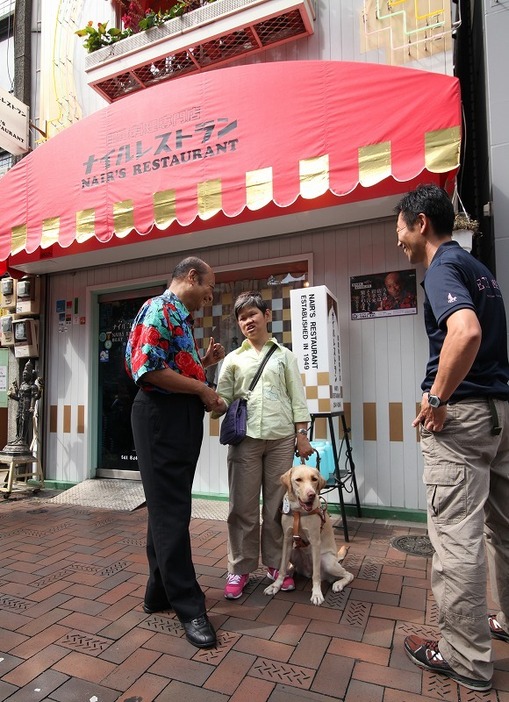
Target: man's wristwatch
(434,401)
(302,431)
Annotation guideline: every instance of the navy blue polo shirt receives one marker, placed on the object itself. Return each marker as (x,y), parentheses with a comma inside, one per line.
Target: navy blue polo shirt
(456,280)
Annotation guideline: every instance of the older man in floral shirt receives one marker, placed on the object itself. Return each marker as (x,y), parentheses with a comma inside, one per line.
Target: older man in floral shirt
(167,420)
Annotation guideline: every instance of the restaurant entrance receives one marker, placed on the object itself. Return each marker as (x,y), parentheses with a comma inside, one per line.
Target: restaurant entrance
(116,391)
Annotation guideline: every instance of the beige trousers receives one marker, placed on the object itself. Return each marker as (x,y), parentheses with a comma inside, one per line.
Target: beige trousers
(256,465)
(466,472)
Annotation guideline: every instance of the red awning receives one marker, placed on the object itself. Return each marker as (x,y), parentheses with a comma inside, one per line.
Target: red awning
(233,141)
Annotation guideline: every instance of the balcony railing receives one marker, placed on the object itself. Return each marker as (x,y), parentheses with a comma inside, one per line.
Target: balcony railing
(212,35)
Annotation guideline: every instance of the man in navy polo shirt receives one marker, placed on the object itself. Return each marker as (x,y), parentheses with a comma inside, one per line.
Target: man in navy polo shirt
(464,424)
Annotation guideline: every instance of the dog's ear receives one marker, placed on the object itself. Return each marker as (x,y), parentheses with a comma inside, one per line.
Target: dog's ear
(321,482)
(286,479)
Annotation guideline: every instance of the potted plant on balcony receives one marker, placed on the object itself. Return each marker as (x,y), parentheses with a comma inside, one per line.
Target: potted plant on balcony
(138,16)
(138,13)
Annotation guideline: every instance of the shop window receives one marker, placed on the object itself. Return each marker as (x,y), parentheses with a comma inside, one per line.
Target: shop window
(273,283)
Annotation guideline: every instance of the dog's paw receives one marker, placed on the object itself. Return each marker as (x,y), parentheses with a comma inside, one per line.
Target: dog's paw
(272,589)
(339,585)
(317,598)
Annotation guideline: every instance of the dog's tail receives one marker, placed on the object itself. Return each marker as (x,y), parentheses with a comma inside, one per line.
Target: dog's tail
(342,552)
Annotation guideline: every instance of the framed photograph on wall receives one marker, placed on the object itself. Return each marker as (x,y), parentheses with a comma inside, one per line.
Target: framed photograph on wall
(388,294)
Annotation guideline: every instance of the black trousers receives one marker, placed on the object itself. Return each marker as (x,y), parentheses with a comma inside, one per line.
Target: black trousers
(168,432)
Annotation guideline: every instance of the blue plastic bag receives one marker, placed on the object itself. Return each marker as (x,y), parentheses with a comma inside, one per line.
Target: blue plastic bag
(324,449)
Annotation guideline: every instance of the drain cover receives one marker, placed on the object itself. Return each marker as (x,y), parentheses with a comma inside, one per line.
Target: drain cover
(414,545)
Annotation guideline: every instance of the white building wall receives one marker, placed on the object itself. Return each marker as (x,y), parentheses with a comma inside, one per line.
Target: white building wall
(383,359)
(497,59)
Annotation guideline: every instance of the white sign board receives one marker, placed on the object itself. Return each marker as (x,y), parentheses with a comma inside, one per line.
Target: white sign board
(13,124)
(316,343)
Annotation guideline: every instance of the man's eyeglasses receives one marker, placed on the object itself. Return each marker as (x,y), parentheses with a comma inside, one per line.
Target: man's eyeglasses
(400,229)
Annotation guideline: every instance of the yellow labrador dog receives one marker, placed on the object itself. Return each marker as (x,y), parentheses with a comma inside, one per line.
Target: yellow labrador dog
(308,528)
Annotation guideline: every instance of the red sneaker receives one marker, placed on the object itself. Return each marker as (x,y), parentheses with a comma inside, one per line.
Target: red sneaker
(426,655)
(235,585)
(288,583)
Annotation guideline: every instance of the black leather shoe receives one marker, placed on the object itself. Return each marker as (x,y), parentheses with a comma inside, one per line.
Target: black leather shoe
(153,609)
(200,632)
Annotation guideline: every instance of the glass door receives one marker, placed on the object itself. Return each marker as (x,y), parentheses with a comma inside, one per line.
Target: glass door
(116,391)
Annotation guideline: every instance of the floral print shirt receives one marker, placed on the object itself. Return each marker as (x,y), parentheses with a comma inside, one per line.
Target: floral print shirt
(162,337)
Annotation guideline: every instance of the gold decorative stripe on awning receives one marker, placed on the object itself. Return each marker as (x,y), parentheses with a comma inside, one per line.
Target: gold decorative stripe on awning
(259,188)
(123,218)
(18,238)
(209,198)
(85,225)
(442,151)
(50,232)
(165,210)
(314,176)
(374,163)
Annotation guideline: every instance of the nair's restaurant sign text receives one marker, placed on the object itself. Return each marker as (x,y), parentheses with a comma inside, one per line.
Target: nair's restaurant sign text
(316,343)
(13,124)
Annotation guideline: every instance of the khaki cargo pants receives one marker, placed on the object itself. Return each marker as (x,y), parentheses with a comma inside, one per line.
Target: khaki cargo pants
(466,472)
(256,465)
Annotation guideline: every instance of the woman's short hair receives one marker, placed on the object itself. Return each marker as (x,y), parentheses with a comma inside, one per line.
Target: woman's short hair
(249,299)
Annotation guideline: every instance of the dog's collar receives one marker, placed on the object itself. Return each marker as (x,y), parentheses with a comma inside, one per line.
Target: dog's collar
(321,511)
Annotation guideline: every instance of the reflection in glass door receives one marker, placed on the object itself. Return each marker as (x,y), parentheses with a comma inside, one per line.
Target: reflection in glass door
(116,391)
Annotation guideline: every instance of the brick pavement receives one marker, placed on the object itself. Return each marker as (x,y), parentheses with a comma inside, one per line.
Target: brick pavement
(72,628)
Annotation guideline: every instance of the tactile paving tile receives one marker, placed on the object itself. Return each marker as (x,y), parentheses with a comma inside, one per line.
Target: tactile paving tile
(353,560)
(438,686)
(163,624)
(356,614)
(114,568)
(431,613)
(53,577)
(282,673)
(133,542)
(37,533)
(336,600)
(225,642)
(426,632)
(370,570)
(473,696)
(17,603)
(88,643)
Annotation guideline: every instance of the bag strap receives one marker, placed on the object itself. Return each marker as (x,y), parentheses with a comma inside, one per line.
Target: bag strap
(262,366)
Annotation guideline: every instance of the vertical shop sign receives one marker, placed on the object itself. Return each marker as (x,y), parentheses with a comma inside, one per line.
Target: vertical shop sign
(316,343)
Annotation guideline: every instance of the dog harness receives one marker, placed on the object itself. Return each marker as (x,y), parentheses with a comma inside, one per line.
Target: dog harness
(298,540)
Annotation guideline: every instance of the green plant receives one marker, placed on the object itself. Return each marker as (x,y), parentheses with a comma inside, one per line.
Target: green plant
(154,19)
(97,38)
(102,36)
(462,221)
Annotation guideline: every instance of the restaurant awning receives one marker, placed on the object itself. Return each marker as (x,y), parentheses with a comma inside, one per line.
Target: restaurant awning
(229,145)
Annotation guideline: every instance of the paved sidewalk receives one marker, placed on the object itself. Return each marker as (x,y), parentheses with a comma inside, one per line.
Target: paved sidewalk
(72,628)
